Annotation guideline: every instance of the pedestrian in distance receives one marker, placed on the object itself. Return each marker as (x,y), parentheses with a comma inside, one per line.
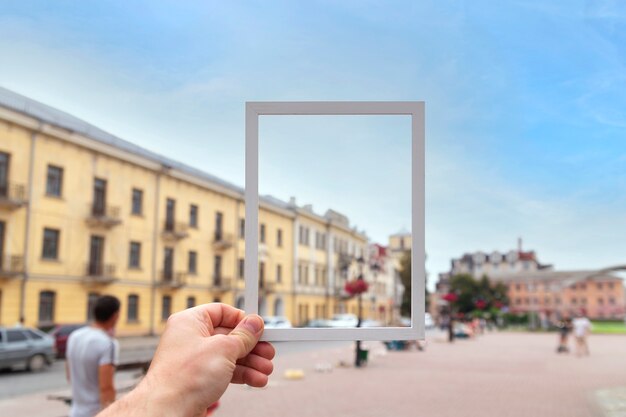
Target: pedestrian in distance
(92,354)
(582,327)
(565,327)
(202,350)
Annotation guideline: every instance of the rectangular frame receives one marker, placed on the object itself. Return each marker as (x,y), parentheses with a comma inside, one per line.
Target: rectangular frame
(415,109)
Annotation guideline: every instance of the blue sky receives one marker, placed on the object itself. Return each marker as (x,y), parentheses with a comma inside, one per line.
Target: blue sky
(526,100)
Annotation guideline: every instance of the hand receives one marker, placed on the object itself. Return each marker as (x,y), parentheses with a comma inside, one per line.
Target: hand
(201,351)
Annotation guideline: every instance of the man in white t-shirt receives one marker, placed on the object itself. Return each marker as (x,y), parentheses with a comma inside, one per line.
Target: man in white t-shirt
(582,327)
(92,354)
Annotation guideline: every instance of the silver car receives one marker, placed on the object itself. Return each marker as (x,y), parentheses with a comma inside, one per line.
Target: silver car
(31,348)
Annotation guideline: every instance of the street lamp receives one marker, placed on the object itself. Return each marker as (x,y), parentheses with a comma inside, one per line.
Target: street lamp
(358,287)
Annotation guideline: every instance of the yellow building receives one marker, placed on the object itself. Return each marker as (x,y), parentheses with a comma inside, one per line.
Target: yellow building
(84,213)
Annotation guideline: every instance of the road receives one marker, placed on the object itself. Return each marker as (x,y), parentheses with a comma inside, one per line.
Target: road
(19,382)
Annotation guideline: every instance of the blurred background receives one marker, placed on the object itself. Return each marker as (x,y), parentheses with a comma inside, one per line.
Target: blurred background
(122,173)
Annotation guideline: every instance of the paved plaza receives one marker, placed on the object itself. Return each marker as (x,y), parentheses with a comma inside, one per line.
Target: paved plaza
(499,374)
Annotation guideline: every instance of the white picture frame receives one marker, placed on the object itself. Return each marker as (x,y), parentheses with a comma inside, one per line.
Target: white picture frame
(415,109)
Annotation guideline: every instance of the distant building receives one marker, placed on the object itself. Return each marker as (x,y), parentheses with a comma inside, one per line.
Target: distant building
(538,288)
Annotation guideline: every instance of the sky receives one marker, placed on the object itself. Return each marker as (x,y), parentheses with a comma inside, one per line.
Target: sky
(525,104)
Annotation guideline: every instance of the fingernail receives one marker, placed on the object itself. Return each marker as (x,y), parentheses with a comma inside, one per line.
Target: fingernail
(253,324)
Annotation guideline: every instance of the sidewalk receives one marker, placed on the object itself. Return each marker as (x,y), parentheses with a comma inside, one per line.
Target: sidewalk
(506,374)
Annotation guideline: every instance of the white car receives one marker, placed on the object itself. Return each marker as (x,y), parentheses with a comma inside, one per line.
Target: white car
(343,320)
(277,322)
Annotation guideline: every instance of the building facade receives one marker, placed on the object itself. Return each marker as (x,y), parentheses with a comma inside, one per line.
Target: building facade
(84,213)
(539,289)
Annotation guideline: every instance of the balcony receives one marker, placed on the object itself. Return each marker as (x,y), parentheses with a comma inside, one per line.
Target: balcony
(12,196)
(172,280)
(222,241)
(103,216)
(175,230)
(267,287)
(11,266)
(221,284)
(99,274)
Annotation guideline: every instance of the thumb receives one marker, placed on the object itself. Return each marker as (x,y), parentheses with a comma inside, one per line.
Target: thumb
(248,332)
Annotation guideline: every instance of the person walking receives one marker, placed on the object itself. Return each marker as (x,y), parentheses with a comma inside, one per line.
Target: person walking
(565,327)
(92,354)
(582,327)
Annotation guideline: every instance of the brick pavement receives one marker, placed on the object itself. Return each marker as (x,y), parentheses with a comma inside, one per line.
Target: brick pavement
(503,374)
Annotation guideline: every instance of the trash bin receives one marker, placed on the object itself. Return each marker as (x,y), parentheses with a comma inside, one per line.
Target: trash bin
(363,354)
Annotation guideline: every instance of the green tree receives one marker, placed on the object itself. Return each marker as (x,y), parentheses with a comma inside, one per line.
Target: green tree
(405,278)
(470,291)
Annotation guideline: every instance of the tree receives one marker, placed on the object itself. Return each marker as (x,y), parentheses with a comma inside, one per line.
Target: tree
(405,278)
(475,294)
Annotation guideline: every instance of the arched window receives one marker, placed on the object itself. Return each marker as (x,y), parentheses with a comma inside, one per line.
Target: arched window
(239,302)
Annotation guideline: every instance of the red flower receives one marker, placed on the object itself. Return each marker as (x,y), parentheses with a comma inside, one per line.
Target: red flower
(450,297)
(358,286)
(481,304)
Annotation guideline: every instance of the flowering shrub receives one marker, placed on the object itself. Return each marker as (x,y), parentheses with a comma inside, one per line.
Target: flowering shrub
(356,287)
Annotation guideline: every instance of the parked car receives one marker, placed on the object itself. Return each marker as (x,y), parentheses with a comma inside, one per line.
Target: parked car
(60,333)
(429,323)
(276,322)
(372,323)
(25,346)
(343,320)
(317,323)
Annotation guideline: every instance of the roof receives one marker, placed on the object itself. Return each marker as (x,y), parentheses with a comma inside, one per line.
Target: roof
(564,277)
(56,117)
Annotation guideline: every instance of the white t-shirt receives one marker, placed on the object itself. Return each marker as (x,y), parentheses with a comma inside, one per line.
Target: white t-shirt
(581,326)
(87,349)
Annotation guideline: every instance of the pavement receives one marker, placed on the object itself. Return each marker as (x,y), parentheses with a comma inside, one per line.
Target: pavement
(498,374)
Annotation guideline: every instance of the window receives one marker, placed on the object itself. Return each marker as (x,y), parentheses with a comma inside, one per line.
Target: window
(96,256)
(242,228)
(166,307)
(54,181)
(611,285)
(191,302)
(601,301)
(261,274)
(16,336)
(583,286)
(304,235)
(33,335)
(518,287)
(279,238)
(137,202)
(599,285)
(99,197)
(192,267)
(46,306)
(50,244)
(241,268)
(279,273)
(4,173)
(168,264)
(574,301)
(262,234)
(92,297)
(217,270)
(611,300)
(170,213)
(193,216)
(132,314)
(218,226)
(134,256)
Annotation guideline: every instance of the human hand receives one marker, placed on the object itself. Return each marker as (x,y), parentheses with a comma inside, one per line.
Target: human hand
(201,351)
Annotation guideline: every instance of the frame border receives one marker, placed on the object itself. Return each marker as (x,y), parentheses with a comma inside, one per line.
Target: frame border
(415,109)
